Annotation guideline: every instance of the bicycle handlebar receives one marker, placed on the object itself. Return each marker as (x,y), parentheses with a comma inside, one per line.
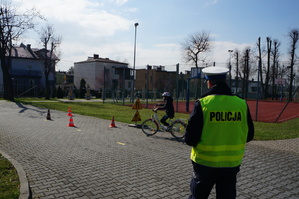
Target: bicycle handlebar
(154,110)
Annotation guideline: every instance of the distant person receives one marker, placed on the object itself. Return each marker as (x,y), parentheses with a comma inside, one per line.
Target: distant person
(218,129)
(168,107)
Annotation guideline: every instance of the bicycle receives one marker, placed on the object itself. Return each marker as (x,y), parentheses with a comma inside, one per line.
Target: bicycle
(151,126)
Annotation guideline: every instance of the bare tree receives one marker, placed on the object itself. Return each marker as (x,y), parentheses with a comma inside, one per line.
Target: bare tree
(193,47)
(71,70)
(275,56)
(267,70)
(12,26)
(294,37)
(245,70)
(196,44)
(260,72)
(48,38)
(236,56)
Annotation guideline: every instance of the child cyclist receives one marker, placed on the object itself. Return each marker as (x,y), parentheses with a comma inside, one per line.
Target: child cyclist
(167,106)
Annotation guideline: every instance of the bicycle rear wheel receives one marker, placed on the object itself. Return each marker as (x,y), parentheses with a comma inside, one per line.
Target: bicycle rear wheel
(149,127)
(178,129)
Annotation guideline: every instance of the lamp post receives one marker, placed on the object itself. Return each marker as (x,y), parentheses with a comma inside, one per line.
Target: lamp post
(237,71)
(230,68)
(133,83)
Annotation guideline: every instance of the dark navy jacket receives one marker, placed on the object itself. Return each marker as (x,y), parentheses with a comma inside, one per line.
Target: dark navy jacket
(168,106)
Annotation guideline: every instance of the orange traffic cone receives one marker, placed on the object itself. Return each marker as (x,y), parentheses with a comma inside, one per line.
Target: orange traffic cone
(71,122)
(112,123)
(48,115)
(69,112)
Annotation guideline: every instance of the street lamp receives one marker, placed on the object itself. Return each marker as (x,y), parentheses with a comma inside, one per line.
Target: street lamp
(133,84)
(230,68)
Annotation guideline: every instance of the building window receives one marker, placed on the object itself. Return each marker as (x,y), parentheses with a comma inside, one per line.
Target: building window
(129,84)
(254,89)
(31,82)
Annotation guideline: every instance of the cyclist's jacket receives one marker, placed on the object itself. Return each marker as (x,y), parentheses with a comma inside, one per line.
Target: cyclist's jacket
(218,128)
(167,106)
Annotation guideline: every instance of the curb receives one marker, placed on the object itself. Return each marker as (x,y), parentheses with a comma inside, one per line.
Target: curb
(24,185)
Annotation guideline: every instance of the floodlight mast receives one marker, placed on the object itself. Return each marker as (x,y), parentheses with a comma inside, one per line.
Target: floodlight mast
(133,82)
(230,68)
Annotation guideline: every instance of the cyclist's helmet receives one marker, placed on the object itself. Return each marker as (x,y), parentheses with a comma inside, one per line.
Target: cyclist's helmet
(166,94)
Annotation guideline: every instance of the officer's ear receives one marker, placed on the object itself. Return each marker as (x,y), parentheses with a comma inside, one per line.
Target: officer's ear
(209,83)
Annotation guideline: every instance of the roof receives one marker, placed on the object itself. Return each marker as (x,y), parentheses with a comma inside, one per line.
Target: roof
(22,52)
(104,60)
(25,51)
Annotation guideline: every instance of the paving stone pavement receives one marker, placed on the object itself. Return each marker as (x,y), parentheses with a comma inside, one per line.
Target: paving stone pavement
(92,160)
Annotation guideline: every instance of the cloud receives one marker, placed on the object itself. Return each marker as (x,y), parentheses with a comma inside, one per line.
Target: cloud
(220,53)
(118,2)
(89,28)
(102,24)
(210,2)
(88,17)
(86,27)
(160,54)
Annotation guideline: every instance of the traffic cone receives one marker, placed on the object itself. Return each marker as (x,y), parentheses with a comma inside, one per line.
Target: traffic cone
(48,115)
(69,112)
(71,122)
(112,123)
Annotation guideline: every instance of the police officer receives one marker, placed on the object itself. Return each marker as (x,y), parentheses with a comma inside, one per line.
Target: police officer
(167,106)
(218,129)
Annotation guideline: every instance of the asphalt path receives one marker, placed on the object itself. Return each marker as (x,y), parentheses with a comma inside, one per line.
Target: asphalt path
(93,160)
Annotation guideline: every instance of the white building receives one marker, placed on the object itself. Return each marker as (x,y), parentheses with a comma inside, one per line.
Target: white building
(116,77)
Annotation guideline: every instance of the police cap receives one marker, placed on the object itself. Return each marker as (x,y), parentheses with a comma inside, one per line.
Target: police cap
(215,72)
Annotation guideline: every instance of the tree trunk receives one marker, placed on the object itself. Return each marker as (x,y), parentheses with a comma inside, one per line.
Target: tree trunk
(47,71)
(237,72)
(47,92)
(260,66)
(269,45)
(294,34)
(7,81)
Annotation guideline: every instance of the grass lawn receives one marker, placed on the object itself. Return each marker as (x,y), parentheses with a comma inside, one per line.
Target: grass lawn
(121,113)
(9,180)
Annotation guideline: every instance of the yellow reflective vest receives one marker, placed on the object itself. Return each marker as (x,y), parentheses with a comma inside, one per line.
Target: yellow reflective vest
(224,132)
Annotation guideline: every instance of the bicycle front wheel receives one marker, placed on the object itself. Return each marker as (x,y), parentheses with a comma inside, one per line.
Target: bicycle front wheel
(149,127)
(178,129)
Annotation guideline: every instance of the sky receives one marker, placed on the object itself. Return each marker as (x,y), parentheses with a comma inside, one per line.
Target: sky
(106,28)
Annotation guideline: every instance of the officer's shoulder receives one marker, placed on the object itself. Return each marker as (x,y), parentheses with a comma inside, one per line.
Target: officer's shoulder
(239,96)
(197,102)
